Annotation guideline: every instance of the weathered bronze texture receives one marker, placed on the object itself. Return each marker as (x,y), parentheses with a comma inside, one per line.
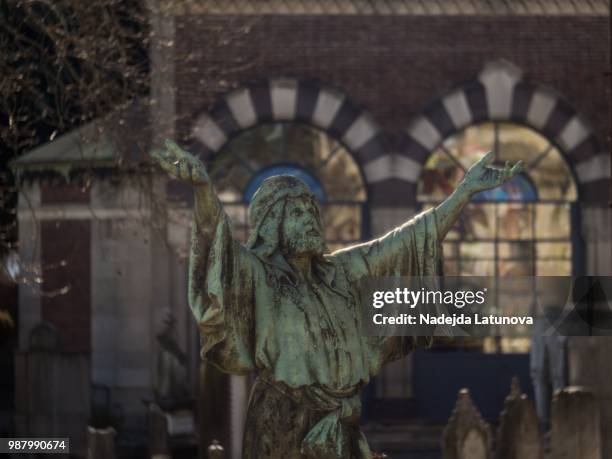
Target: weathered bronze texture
(284,307)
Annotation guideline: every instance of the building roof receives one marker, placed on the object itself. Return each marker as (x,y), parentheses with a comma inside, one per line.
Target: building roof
(80,145)
(121,138)
(399,7)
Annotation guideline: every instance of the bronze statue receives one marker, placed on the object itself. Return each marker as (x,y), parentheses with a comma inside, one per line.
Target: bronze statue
(283,307)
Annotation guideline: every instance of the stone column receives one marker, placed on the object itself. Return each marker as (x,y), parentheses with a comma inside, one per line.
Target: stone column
(162,55)
(158,434)
(589,361)
(29,254)
(575,425)
(238,404)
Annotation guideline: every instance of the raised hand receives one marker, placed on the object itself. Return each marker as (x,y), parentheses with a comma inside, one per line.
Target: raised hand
(181,164)
(479,177)
(482,177)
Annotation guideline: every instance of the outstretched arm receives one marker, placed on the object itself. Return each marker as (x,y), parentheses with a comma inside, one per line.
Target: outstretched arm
(207,210)
(479,177)
(412,249)
(186,167)
(221,270)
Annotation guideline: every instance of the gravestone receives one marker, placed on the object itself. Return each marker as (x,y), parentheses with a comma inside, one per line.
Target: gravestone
(159,446)
(467,435)
(575,424)
(101,443)
(518,436)
(215,451)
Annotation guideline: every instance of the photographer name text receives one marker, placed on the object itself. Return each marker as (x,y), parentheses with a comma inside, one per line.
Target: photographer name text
(448,319)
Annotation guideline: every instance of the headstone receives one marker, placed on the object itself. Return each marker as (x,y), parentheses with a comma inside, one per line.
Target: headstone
(101,443)
(467,435)
(519,436)
(180,422)
(159,446)
(215,451)
(575,424)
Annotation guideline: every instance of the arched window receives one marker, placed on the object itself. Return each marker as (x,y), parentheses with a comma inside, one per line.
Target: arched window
(321,162)
(520,229)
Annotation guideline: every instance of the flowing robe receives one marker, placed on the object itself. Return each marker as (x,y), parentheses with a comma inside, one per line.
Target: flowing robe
(304,339)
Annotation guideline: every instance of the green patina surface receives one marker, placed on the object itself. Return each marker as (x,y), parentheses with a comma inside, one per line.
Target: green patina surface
(284,307)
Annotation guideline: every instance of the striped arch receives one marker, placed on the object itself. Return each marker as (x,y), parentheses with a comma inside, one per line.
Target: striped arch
(501,94)
(286,99)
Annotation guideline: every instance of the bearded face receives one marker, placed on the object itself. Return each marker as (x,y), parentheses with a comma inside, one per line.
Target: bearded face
(301,232)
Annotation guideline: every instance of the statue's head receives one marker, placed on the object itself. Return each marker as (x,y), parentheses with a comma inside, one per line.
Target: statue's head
(284,216)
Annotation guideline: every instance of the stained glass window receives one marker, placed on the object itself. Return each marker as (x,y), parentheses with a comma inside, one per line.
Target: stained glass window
(519,229)
(323,163)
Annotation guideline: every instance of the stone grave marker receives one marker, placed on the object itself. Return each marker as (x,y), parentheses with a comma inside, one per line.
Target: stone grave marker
(467,435)
(101,443)
(215,451)
(158,433)
(519,436)
(575,424)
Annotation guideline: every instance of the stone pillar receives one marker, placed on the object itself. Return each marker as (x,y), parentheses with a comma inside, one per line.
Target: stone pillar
(162,55)
(589,357)
(29,254)
(575,425)
(467,435)
(101,443)
(518,436)
(239,396)
(395,378)
(122,337)
(213,408)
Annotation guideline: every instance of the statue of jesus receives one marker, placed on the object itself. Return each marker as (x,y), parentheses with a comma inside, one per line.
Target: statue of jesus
(285,308)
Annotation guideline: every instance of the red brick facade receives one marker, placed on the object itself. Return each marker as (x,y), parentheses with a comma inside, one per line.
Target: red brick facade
(66,262)
(398,67)
(392,65)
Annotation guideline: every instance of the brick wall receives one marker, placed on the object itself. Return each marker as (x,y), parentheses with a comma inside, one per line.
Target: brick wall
(66,272)
(392,65)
